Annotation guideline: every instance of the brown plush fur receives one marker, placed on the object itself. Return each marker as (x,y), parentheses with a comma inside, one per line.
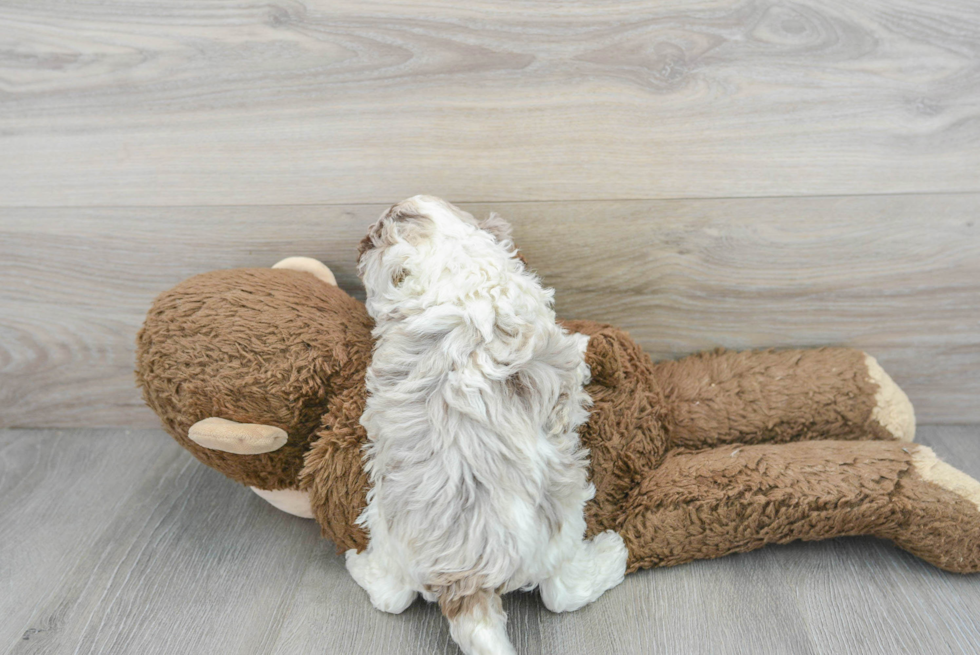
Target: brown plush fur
(715,453)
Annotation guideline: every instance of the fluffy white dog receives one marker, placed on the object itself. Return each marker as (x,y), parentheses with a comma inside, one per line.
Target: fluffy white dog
(475,396)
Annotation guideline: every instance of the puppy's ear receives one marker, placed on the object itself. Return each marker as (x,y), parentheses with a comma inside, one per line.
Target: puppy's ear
(367,243)
(401,220)
(501,231)
(498,227)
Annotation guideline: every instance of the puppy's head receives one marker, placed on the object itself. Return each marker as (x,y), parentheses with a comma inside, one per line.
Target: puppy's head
(416,241)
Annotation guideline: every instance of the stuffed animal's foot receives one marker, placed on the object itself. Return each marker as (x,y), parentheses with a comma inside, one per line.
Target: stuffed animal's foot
(940,510)
(291,501)
(893,410)
(934,470)
(596,566)
(385,584)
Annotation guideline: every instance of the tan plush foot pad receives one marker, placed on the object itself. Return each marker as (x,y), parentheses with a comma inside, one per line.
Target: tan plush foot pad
(934,470)
(893,409)
(291,501)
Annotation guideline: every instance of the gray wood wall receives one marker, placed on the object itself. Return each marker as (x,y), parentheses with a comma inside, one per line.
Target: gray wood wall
(732,173)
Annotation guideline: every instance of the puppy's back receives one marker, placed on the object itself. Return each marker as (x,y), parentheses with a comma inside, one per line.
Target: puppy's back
(474,398)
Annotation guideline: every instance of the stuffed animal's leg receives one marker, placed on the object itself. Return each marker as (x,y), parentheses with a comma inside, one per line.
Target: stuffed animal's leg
(774,396)
(704,504)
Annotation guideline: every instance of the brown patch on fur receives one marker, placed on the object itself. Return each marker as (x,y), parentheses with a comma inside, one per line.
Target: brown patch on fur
(379,232)
(454,606)
(366,243)
(457,583)
(399,276)
(480,602)
(517,386)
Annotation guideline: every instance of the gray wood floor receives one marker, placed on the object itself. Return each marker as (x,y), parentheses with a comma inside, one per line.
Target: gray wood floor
(117,541)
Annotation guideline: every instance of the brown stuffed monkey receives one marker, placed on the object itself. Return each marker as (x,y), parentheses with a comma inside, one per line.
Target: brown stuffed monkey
(260,374)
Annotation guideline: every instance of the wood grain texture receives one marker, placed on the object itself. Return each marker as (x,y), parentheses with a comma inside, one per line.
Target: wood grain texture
(118,541)
(215,103)
(164,564)
(59,491)
(897,276)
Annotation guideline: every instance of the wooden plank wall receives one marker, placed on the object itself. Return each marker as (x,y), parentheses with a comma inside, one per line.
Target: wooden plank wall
(704,173)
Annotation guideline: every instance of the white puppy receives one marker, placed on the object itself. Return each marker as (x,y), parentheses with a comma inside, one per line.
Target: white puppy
(475,396)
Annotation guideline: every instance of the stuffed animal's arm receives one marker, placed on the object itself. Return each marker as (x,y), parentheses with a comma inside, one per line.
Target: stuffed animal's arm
(706,504)
(719,397)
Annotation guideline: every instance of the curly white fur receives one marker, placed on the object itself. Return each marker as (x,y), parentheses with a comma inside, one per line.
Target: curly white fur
(475,396)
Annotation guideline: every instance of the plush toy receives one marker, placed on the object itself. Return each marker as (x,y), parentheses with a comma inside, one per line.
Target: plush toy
(260,374)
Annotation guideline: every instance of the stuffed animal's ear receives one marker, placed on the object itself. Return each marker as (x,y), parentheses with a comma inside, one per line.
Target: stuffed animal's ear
(239,438)
(316,268)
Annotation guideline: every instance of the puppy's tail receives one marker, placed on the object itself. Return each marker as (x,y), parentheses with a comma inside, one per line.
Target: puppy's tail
(477,622)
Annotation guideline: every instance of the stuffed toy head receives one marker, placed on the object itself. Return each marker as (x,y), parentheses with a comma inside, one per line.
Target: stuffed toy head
(255,359)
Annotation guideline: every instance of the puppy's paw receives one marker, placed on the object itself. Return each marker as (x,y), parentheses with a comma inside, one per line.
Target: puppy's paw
(610,556)
(597,566)
(388,590)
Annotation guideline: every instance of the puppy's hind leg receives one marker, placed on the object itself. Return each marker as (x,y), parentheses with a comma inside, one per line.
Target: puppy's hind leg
(382,579)
(593,568)
(477,623)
